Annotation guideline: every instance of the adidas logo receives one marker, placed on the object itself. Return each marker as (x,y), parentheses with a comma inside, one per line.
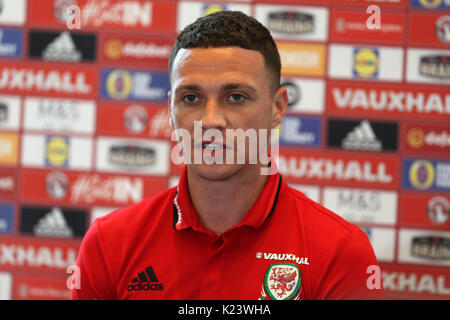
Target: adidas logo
(145,281)
(362,137)
(53,224)
(62,48)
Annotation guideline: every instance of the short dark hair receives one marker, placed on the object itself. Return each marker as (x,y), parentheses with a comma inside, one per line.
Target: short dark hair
(230,29)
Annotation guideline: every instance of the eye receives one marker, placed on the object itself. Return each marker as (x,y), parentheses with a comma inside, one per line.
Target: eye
(236,97)
(190,98)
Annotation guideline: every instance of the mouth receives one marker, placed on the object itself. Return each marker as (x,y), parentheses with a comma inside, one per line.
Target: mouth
(213,146)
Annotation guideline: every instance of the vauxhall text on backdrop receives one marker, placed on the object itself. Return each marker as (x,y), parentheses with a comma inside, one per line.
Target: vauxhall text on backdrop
(84,125)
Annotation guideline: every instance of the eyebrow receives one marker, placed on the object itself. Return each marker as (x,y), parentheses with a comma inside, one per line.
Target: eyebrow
(226,87)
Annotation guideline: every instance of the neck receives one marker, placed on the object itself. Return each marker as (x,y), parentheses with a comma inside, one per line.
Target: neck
(222,203)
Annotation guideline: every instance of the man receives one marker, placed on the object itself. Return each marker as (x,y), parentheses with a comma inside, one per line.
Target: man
(227,231)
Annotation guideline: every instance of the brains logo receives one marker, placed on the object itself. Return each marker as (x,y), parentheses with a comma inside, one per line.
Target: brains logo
(415,138)
(113,49)
(57,151)
(365,62)
(282,281)
(118,84)
(421,174)
(212,8)
(431,3)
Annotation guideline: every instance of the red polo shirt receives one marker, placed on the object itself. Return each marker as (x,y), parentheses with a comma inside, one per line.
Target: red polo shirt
(286,247)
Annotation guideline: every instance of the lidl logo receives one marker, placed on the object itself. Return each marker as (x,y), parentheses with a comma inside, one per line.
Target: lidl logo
(121,84)
(365,62)
(57,151)
(423,174)
(212,8)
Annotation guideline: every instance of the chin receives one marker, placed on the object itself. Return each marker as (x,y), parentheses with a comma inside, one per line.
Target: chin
(215,172)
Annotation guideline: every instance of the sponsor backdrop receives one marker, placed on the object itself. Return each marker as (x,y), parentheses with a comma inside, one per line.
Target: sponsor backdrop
(84,125)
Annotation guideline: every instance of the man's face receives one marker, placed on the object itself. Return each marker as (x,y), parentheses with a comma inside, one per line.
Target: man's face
(224,88)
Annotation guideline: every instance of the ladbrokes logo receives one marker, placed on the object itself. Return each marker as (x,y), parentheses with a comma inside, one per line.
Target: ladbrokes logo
(145,281)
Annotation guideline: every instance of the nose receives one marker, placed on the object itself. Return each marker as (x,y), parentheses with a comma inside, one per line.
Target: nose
(213,116)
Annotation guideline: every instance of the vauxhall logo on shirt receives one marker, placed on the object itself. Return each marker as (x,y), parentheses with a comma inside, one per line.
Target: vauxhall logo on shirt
(282,257)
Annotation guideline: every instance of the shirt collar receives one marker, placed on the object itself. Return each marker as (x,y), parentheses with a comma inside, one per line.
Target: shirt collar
(186,217)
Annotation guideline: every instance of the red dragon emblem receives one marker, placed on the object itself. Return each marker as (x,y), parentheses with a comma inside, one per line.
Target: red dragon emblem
(282,281)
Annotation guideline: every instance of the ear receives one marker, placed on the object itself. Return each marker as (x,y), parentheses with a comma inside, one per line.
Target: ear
(279,106)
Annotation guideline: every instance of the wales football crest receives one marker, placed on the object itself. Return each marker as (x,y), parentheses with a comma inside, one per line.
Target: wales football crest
(282,281)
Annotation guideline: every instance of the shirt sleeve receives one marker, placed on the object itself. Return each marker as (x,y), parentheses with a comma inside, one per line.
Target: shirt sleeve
(94,275)
(351,272)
